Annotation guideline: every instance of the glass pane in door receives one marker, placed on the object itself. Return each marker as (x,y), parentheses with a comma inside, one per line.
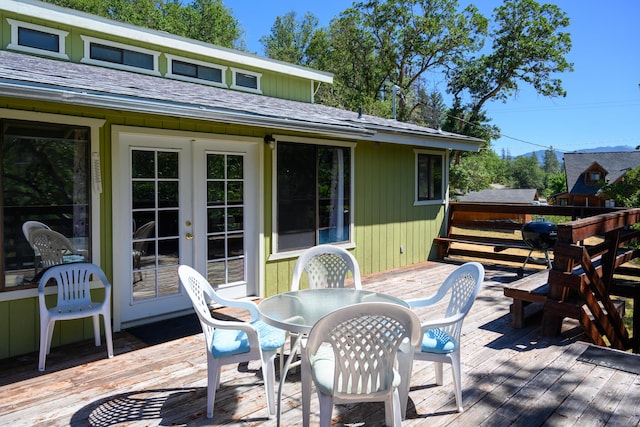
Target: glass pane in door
(225,219)
(154,218)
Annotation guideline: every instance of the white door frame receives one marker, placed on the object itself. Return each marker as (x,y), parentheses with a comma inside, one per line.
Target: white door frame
(121,273)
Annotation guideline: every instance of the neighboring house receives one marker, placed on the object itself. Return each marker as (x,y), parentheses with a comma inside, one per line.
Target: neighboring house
(149,150)
(503,195)
(585,172)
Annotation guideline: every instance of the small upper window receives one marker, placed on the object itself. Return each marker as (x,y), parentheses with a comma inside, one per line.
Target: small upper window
(195,71)
(118,55)
(594,176)
(429,177)
(37,39)
(246,80)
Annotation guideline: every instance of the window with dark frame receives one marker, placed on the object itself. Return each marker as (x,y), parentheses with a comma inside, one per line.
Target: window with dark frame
(116,55)
(430,177)
(196,71)
(313,195)
(45,177)
(38,39)
(246,80)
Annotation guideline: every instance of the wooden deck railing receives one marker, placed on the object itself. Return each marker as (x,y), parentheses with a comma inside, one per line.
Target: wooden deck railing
(591,261)
(590,265)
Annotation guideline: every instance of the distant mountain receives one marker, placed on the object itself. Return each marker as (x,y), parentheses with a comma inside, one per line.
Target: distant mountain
(617,148)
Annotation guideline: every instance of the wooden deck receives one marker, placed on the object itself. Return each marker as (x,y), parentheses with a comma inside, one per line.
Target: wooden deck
(510,377)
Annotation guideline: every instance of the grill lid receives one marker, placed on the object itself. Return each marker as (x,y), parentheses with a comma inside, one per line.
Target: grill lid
(540,235)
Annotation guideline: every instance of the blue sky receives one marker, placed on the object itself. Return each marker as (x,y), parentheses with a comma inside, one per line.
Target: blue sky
(602,105)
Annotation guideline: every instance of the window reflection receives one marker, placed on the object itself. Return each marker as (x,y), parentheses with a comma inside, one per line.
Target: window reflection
(45,178)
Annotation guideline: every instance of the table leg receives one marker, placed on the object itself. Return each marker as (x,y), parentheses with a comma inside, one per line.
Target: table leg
(283,374)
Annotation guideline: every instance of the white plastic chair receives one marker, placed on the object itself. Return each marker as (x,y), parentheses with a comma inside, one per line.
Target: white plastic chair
(441,337)
(54,247)
(27,228)
(350,356)
(230,342)
(74,302)
(326,266)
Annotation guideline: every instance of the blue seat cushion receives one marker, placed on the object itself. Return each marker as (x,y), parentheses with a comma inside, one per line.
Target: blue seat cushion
(437,341)
(270,338)
(227,342)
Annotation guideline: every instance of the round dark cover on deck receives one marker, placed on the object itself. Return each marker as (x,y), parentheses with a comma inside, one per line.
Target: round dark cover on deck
(540,235)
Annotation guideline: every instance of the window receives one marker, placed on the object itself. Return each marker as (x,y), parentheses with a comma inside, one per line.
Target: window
(45,178)
(313,195)
(594,176)
(195,71)
(429,177)
(118,55)
(37,39)
(246,80)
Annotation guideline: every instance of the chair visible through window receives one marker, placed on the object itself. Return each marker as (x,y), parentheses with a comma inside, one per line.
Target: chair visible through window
(441,336)
(27,228)
(350,356)
(54,248)
(74,302)
(229,342)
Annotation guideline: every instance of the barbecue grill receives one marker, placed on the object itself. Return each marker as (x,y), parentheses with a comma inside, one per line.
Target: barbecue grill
(539,235)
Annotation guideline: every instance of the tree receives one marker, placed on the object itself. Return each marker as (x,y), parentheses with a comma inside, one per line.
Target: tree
(526,173)
(626,191)
(555,183)
(529,47)
(205,20)
(550,164)
(477,172)
(290,39)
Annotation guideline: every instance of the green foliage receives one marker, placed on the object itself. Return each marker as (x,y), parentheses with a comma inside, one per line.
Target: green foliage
(626,191)
(551,165)
(529,47)
(555,183)
(474,172)
(290,40)
(205,20)
(526,173)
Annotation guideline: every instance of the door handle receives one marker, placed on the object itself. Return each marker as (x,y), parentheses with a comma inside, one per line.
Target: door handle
(189,236)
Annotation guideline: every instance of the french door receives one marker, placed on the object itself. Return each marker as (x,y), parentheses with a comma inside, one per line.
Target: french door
(182,200)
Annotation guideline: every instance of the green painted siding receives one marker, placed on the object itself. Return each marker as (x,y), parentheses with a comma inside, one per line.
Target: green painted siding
(385,217)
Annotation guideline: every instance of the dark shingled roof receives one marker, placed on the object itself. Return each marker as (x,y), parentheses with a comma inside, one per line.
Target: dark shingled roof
(616,164)
(77,81)
(505,195)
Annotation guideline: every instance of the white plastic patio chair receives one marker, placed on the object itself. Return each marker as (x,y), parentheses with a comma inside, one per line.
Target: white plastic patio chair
(327,266)
(27,228)
(441,337)
(230,342)
(350,356)
(74,302)
(54,247)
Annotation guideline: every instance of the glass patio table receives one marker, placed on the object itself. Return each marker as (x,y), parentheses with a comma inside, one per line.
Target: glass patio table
(298,311)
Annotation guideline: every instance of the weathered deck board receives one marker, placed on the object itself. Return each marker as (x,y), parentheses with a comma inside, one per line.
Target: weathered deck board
(509,377)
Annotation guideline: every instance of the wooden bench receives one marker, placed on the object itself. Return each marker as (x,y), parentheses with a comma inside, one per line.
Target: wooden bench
(530,289)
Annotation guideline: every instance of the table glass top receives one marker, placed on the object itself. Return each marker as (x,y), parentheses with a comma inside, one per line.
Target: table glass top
(298,311)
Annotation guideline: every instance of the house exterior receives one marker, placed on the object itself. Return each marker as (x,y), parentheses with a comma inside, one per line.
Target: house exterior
(149,150)
(585,172)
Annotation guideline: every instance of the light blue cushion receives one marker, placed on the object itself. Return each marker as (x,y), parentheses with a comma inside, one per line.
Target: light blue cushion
(227,342)
(437,341)
(270,338)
